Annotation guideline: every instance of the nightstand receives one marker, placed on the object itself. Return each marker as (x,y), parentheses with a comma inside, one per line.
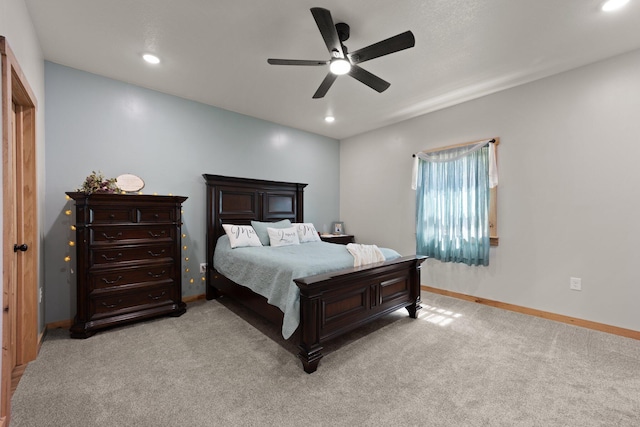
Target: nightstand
(341,239)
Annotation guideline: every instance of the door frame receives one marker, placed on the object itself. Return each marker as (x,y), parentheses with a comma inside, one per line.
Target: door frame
(19,191)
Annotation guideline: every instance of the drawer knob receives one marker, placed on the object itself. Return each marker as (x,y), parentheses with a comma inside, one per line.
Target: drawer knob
(111,282)
(157,297)
(157,275)
(154,254)
(117,236)
(112,259)
(112,305)
(155,236)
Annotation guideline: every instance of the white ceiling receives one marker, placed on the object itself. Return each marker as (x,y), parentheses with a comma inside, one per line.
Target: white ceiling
(215,51)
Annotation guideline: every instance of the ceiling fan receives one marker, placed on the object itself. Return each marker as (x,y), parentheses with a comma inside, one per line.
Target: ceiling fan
(343,62)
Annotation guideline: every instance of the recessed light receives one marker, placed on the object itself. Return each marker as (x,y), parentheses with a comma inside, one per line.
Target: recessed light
(151,59)
(329,119)
(612,5)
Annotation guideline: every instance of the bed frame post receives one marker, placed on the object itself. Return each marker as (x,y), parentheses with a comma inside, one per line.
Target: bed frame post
(211,291)
(415,291)
(310,348)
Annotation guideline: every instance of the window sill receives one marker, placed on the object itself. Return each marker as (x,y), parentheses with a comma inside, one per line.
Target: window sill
(493,241)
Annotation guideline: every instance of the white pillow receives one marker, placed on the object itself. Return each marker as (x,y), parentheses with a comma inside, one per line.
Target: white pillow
(261,229)
(241,235)
(306,232)
(283,236)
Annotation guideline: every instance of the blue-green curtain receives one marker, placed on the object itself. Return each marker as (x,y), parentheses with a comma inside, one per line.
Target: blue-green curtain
(452,218)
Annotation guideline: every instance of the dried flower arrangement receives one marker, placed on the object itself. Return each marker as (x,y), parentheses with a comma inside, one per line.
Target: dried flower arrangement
(97,183)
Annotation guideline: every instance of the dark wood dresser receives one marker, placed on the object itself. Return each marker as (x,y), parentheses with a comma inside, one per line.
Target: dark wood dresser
(128,259)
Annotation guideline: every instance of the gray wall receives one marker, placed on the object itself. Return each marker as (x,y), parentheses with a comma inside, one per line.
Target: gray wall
(568,195)
(94,123)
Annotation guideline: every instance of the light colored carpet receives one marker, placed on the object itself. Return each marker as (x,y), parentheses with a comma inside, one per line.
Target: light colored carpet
(459,364)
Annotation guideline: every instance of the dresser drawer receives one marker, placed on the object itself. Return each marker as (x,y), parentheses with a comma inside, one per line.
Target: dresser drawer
(111,215)
(156,214)
(127,234)
(103,256)
(116,303)
(129,214)
(128,277)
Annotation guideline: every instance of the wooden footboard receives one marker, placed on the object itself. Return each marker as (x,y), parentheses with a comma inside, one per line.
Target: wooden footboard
(334,303)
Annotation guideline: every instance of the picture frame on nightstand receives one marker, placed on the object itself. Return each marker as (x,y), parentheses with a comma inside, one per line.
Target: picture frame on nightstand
(338,227)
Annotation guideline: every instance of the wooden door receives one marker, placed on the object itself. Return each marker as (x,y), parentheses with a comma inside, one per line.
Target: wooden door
(19,228)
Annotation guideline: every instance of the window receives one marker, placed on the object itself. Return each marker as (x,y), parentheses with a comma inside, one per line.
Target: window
(456,191)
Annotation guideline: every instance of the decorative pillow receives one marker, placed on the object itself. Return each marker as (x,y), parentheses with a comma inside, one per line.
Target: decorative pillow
(306,232)
(241,235)
(261,229)
(283,236)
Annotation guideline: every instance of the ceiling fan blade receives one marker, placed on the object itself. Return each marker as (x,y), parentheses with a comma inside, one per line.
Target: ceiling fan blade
(325,85)
(385,47)
(295,62)
(371,80)
(328,30)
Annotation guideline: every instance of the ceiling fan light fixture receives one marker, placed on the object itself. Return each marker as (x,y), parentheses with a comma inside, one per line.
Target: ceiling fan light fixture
(339,66)
(612,5)
(343,62)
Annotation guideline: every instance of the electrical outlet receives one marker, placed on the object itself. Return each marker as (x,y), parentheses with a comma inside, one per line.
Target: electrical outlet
(40,297)
(203,267)
(575,283)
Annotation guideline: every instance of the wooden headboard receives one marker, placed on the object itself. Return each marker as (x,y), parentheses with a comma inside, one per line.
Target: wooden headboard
(242,200)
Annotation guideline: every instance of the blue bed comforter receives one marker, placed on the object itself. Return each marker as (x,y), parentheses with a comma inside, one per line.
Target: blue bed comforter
(269,271)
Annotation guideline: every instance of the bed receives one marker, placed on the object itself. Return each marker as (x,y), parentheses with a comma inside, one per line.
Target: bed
(330,303)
